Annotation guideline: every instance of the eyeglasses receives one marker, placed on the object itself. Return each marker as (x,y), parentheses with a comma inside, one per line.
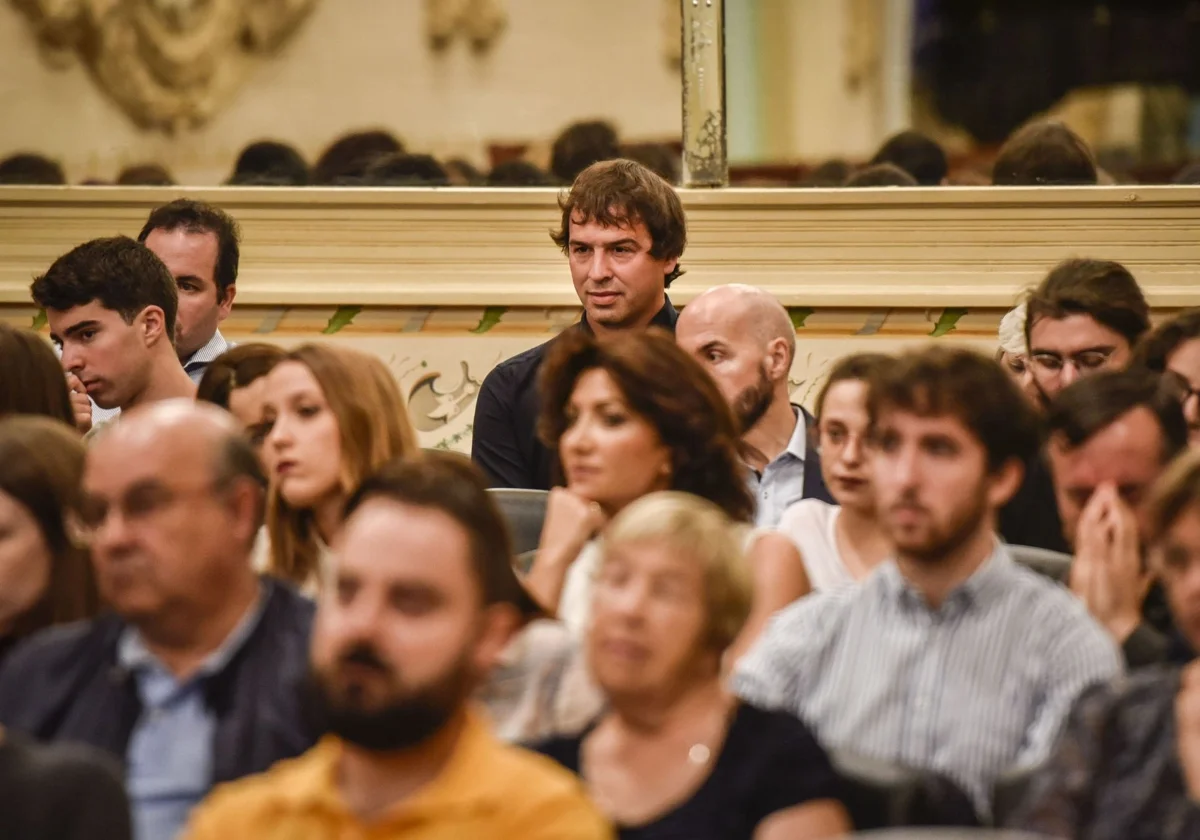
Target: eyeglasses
(1180,386)
(140,504)
(1084,362)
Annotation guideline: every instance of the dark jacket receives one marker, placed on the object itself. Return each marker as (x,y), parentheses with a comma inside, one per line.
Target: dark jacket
(504,441)
(64,684)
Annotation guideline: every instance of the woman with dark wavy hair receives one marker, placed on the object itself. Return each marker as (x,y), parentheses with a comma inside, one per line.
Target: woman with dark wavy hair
(628,417)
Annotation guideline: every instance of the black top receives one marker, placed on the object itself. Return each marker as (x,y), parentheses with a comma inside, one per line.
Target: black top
(1031,515)
(60,792)
(504,440)
(769,762)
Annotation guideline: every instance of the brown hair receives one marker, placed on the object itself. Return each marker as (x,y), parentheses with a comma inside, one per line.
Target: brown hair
(1175,492)
(668,388)
(374,428)
(236,368)
(1155,347)
(43,468)
(31,379)
(938,380)
(857,367)
(1044,153)
(616,193)
(1101,289)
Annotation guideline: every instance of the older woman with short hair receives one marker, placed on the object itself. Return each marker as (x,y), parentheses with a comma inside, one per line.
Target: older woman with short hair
(675,754)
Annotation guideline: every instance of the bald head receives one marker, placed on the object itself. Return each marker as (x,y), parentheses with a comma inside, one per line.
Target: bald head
(746,341)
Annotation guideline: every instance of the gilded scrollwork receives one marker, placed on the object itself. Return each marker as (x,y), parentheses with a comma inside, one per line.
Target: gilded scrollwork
(169,64)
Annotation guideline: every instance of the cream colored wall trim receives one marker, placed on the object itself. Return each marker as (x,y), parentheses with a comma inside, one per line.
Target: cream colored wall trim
(819,248)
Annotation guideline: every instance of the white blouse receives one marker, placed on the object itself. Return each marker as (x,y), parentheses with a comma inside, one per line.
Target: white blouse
(810,524)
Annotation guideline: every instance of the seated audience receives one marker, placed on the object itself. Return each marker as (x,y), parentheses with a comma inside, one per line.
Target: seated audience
(623,232)
(1085,316)
(1188,175)
(1128,764)
(951,657)
(1173,348)
(744,338)
(236,381)
(831,173)
(1042,154)
(60,792)
(621,435)
(659,158)
(31,169)
(45,578)
(1013,355)
(406,170)
(918,155)
(331,416)
(881,175)
(145,175)
(1111,437)
(518,173)
(194,677)
(32,381)
(674,754)
(112,306)
(580,145)
(424,607)
(462,174)
(267,163)
(842,543)
(200,245)
(346,160)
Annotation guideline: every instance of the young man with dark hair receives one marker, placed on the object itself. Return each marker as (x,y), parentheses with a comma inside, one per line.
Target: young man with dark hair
(623,231)
(918,155)
(111,305)
(1042,154)
(580,145)
(1173,348)
(1128,764)
(199,245)
(951,657)
(425,603)
(1111,437)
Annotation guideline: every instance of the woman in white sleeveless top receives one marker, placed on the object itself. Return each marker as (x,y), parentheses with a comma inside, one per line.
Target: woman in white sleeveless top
(629,417)
(841,544)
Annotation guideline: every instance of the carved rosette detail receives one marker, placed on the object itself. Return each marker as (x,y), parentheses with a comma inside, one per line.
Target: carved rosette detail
(169,64)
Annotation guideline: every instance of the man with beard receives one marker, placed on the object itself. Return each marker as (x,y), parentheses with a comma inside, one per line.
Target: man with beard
(950,658)
(745,340)
(423,602)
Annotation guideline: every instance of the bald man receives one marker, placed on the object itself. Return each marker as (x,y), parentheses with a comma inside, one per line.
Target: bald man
(195,677)
(745,340)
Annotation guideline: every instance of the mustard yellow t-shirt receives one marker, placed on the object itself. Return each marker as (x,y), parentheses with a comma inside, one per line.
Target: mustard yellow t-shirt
(488,789)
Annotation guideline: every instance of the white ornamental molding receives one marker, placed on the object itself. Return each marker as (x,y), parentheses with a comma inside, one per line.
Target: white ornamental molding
(169,64)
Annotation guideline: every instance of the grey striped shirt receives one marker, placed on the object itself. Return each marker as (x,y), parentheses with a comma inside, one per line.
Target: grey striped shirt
(970,690)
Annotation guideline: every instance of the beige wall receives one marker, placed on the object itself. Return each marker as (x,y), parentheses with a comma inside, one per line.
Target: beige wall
(363,62)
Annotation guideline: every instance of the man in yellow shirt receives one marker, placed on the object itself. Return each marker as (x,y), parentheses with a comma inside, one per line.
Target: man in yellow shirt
(423,601)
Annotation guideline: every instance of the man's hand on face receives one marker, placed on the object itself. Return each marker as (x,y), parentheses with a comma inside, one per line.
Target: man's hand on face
(80,404)
(1107,572)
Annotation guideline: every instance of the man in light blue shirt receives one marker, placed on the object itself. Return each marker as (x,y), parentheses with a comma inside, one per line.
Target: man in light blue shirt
(949,658)
(746,341)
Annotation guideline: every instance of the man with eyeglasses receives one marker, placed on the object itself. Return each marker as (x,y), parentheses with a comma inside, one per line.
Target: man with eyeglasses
(1084,317)
(195,676)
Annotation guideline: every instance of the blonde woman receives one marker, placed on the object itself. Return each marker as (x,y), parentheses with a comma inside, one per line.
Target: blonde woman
(331,416)
(675,754)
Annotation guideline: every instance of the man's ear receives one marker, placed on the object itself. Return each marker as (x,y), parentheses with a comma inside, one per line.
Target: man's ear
(778,361)
(499,624)
(152,322)
(1005,482)
(225,304)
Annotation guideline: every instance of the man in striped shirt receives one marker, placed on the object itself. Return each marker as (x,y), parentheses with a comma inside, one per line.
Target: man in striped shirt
(950,658)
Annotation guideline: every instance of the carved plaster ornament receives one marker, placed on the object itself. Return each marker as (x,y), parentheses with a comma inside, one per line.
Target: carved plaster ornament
(480,21)
(169,64)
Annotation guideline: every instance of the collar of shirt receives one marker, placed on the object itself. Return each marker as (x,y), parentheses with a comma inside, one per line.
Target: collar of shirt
(985,584)
(665,317)
(133,654)
(456,790)
(208,353)
(798,445)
